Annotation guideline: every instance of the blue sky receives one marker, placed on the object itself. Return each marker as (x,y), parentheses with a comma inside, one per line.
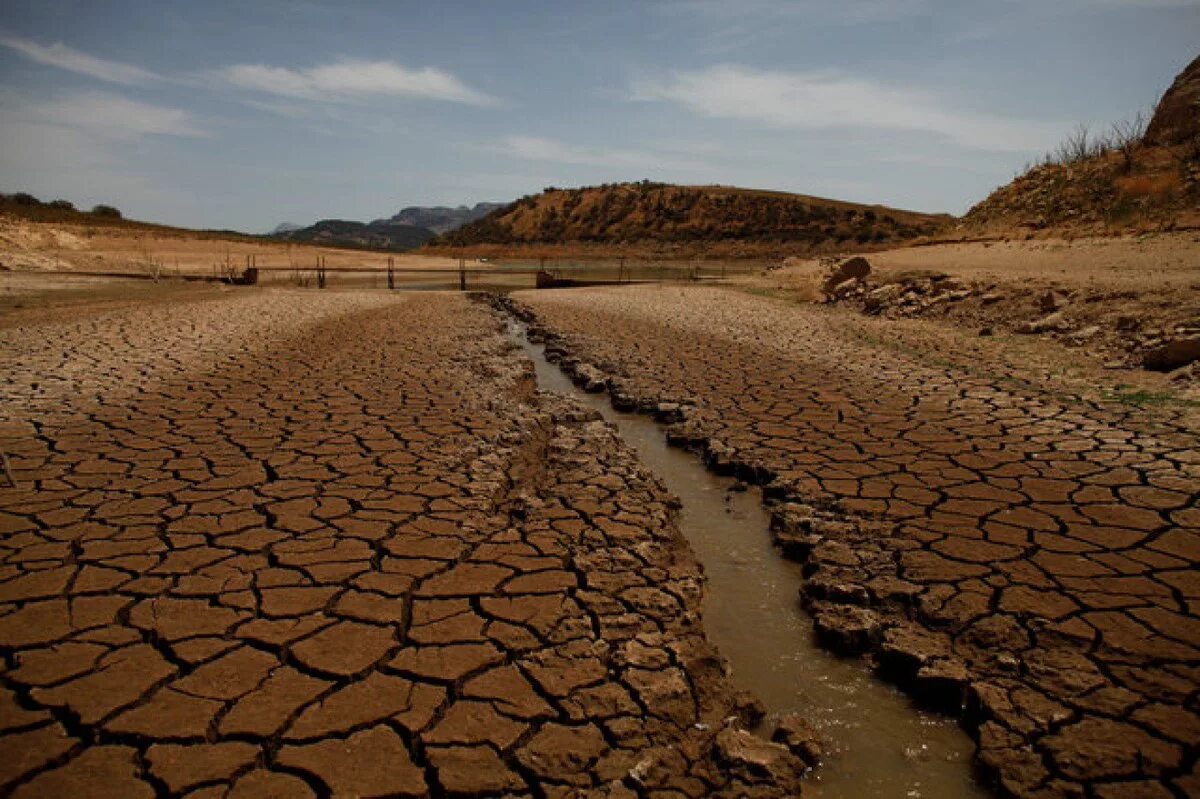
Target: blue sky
(243,115)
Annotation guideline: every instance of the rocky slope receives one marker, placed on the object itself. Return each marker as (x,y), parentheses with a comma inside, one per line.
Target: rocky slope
(1121,180)
(1177,118)
(1156,329)
(658,217)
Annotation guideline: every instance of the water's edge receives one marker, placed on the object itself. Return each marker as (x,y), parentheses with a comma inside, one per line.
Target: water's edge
(877,743)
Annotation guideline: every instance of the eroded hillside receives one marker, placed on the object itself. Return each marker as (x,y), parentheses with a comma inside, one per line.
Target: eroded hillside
(664,218)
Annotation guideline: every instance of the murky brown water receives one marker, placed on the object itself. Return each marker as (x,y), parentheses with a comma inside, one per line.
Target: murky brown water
(878,744)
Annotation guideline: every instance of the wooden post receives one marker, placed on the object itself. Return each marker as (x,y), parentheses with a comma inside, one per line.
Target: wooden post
(462,274)
(391,272)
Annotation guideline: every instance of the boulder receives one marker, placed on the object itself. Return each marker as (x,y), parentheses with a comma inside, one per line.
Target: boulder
(841,275)
(1172,355)
(1176,120)
(857,266)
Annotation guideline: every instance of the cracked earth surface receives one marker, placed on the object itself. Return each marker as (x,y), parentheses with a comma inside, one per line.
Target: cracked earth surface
(1023,556)
(301,544)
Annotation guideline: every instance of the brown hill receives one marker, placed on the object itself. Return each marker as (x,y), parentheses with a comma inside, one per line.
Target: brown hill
(1136,176)
(666,219)
(1177,119)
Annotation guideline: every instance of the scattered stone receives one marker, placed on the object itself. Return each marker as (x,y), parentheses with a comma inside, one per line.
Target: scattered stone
(1047,324)
(801,740)
(1172,355)
(845,274)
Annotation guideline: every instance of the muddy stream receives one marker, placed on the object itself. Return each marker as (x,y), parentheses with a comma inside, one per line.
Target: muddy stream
(877,743)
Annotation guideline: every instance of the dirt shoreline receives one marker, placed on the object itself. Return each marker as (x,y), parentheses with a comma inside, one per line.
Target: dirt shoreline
(1072,654)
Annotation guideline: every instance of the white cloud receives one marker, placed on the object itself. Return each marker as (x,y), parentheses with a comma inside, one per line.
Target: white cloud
(823,100)
(104,115)
(353,78)
(63,57)
(844,12)
(534,148)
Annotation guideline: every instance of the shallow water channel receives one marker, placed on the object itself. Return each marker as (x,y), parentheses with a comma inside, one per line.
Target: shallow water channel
(877,743)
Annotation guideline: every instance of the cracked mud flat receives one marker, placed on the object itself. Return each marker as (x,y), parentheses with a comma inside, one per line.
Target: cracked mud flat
(874,744)
(1022,555)
(302,544)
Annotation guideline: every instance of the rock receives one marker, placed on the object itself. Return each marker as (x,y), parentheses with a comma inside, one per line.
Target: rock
(748,709)
(845,275)
(907,648)
(943,684)
(668,412)
(1175,121)
(801,740)
(1085,333)
(1050,301)
(1047,324)
(835,589)
(857,266)
(590,379)
(1172,354)
(623,402)
(845,288)
(848,629)
(794,543)
(719,457)
(755,760)
(882,297)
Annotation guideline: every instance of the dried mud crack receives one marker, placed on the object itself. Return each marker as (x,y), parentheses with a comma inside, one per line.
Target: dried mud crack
(330,545)
(1021,557)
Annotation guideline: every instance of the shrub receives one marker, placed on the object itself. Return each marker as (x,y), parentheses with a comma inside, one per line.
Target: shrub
(63,205)
(106,211)
(1126,137)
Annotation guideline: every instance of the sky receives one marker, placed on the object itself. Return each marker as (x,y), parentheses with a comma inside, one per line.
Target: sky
(242,115)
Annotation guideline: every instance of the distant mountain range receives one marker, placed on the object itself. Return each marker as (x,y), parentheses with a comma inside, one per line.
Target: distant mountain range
(407,230)
(441,219)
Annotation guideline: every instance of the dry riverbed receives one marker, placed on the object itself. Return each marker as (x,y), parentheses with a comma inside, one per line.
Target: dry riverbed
(302,544)
(1005,540)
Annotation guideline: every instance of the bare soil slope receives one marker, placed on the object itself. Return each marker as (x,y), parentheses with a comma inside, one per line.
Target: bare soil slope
(87,244)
